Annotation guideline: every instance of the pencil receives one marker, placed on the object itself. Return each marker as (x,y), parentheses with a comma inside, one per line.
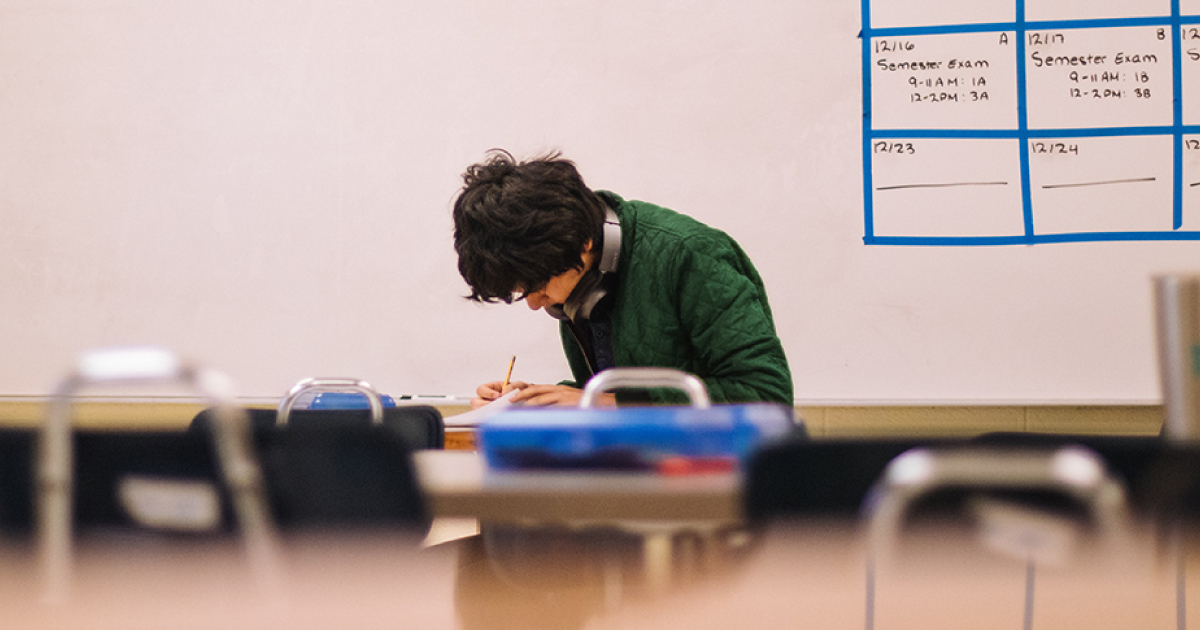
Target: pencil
(508,376)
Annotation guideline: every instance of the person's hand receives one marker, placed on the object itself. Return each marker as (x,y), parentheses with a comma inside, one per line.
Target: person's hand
(560,395)
(488,392)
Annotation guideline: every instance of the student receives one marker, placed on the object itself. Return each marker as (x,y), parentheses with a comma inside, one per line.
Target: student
(633,284)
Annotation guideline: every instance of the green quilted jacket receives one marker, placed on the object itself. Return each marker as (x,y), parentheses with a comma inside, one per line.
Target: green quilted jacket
(688,298)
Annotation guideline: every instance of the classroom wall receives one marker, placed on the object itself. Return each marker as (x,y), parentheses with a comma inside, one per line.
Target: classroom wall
(264,187)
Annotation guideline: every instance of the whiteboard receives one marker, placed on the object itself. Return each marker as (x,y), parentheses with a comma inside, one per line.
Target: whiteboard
(265,187)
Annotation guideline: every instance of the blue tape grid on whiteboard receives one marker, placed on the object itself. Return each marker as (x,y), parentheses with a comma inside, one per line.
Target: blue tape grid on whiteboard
(1176,130)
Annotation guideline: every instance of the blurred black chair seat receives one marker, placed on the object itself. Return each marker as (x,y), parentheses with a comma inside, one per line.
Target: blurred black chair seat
(324,472)
(316,477)
(800,478)
(420,426)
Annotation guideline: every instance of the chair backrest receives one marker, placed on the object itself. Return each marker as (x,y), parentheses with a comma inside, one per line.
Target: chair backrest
(104,461)
(336,469)
(149,481)
(346,476)
(230,436)
(341,476)
(1070,483)
(17,447)
(800,478)
(420,426)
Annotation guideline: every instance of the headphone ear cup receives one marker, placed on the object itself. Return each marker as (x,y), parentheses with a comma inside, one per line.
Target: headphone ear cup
(590,300)
(579,303)
(610,256)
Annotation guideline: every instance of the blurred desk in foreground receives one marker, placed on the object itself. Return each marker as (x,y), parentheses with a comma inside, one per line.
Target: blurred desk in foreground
(807,576)
(657,508)
(459,484)
(335,581)
(814,575)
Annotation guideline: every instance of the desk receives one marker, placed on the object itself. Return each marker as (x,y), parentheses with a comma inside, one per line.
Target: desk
(813,576)
(655,507)
(458,484)
(327,582)
(460,439)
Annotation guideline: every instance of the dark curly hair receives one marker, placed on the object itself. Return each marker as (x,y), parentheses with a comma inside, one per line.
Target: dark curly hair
(519,224)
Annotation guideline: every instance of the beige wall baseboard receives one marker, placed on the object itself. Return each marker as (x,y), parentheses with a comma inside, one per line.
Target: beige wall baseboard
(830,422)
(105,415)
(933,421)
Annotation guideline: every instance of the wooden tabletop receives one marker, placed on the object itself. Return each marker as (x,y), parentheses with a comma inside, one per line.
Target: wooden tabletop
(814,576)
(459,484)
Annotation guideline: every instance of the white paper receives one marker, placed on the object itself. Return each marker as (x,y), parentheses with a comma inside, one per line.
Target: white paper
(475,416)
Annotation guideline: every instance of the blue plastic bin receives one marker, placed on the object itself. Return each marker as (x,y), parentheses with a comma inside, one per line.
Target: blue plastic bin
(638,438)
(346,400)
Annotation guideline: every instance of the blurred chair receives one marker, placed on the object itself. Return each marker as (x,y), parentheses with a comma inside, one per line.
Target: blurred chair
(798,480)
(420,426)
(1030,504)
(341,467)
(160,501)
(152,491)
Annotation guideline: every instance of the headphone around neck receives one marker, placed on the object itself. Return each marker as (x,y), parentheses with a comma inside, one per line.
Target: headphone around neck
(594,285)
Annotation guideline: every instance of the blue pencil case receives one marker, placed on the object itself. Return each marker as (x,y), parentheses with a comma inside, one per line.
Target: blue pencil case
(663,439)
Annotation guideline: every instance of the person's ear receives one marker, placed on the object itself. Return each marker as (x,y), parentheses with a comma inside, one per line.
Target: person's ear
(586,256)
